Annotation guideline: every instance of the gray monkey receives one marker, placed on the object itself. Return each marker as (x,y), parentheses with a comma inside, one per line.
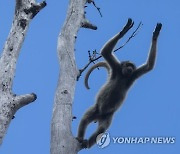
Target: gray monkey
(121,77)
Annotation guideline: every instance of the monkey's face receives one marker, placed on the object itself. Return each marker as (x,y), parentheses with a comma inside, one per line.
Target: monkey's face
(127,68)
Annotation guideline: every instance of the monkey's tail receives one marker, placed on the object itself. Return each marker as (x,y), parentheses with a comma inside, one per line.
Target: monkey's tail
(100,64)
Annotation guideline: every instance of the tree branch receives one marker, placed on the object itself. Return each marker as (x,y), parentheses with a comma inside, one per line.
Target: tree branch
(62,140)
(35,8)
(23,100)
(10,103)
(87,24)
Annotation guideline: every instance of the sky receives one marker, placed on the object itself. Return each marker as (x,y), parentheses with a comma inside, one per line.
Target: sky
(151,108)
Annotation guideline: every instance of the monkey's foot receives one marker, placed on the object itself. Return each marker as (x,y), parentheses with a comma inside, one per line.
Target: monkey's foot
(83,143)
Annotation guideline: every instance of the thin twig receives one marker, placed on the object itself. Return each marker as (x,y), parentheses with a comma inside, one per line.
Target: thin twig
(132,35)
(98,8)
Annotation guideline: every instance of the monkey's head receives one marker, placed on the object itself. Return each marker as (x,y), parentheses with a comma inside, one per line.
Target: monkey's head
(127,68)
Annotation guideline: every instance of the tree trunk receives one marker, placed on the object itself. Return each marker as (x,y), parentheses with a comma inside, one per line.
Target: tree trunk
(62,140)
(9,103)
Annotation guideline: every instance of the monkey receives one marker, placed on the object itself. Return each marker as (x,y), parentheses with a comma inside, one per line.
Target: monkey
(112,94)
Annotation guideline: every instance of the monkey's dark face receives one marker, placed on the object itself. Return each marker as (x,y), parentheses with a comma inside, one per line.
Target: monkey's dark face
(127,68)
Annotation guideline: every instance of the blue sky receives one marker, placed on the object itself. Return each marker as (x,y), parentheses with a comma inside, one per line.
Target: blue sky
(152,106)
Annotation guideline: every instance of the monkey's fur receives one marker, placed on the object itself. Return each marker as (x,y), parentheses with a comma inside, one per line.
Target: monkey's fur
(121,76)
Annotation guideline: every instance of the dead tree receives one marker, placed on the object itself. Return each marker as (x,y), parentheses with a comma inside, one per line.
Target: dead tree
(25,11)
(62,140)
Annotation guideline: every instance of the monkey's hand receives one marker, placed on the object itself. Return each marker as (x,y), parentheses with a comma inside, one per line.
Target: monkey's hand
(127,27)
(83,143)
(157,31)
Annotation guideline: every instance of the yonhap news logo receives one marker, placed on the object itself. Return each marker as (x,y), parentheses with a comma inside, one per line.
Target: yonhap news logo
(104,139)
(144,140)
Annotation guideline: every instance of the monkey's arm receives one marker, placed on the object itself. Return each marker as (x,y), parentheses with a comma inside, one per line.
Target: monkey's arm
(149,65)
(107,49)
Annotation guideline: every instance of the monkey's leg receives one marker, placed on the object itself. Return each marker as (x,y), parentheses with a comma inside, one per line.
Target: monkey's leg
(89,116)
(102,127)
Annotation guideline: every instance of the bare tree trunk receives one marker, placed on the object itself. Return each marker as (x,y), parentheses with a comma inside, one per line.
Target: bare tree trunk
(9,103)
(62,140)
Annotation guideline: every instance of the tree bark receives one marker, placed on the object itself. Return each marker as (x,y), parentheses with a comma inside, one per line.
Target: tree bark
(25,10)
(62,140)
